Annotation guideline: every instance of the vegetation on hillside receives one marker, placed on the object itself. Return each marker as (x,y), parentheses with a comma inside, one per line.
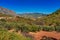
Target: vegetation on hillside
(24,27)
(50,20)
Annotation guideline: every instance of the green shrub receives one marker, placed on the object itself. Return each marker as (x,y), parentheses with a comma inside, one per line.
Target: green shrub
(48,28)
(34,28)
(24,29)
(3,20)
(5,35)
(57,28)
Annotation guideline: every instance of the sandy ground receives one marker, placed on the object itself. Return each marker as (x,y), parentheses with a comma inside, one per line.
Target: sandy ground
(39,35)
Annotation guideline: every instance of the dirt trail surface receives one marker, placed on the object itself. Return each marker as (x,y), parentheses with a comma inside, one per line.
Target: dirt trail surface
(39,35)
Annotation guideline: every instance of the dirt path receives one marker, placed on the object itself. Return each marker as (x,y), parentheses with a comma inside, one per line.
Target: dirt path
(39,35)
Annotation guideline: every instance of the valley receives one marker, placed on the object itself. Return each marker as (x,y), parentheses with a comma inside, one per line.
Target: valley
(34,26)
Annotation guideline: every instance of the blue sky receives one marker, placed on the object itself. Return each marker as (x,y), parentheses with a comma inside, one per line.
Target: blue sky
(22,6)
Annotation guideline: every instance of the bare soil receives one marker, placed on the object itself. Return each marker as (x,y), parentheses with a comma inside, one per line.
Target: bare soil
(39,35)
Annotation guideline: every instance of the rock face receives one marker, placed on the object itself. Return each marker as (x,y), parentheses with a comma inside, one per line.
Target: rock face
(6,11)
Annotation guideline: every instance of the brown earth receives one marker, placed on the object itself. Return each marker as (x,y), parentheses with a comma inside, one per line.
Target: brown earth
(39,35)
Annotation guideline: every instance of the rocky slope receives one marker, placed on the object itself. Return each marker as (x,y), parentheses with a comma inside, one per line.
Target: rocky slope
(7,11)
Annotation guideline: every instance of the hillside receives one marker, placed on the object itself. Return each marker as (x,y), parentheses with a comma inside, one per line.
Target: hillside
(52,19)
(7,11)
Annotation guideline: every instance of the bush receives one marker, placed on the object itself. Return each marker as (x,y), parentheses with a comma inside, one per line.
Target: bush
(30,28)
(24,29)
(48,28)
(57,28)
(3,20)
(5,35)
(34,28)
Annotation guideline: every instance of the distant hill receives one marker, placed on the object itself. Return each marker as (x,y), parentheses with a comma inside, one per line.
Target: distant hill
(32,15)
(7,11)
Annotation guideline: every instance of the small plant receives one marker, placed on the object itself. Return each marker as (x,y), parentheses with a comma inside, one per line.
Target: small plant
(57,28)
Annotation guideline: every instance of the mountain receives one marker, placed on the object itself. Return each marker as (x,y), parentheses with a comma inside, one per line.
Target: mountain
(32,15)
(52,19)
(6,11)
